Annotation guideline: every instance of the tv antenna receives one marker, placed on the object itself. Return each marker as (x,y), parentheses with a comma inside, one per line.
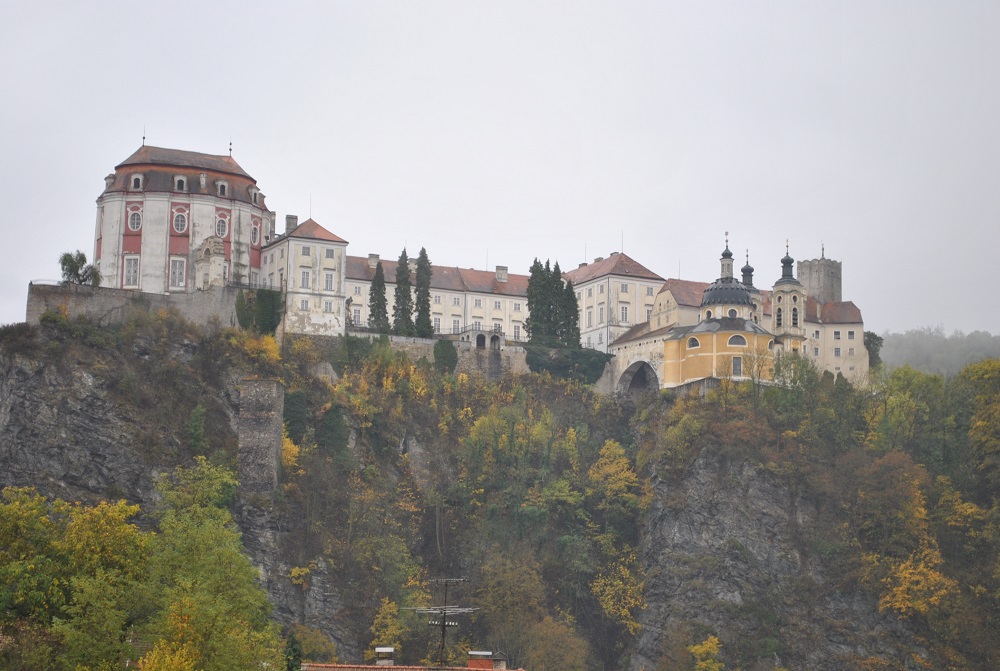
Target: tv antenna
(439,614)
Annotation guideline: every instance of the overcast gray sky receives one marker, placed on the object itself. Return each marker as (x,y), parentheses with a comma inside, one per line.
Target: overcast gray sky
(494,132)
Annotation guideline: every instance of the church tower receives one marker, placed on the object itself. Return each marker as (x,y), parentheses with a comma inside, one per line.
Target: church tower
(788,304)
(727,296)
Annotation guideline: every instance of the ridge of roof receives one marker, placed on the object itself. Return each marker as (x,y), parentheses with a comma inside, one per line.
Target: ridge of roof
(312,229)
(619,263)
(179,158)
(443,278)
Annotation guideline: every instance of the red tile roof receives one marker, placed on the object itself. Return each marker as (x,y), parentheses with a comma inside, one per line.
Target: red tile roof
(834,312)
(311,229)
(685,292)
(147,155)
(444,278)
(617,264)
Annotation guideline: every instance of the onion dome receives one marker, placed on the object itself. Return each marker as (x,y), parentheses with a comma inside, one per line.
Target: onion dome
(786,269)
(747,271)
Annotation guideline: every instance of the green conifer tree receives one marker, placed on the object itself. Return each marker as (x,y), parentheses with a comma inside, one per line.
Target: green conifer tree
(569,318)
(424,327)
(378,315)
(402,311)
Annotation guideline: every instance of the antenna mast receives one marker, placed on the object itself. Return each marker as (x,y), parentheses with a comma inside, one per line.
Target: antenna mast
(442,612)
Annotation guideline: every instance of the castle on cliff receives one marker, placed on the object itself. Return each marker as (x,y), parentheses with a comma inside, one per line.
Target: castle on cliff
(181,222)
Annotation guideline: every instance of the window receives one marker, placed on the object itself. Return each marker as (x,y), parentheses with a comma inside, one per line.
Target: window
(437,299)
(779,299)
(357,315)
(737,341)
(304,304)
(795,299)
(254,278)
(180,222)
(850,351)
(180,184)
(327,306)
(577,295)
(693,343)
(850,335)
(777,316)
(795,316)
(305,250)
(624,313)
(131,276)
(330,253)
(732,313)
(625,287)
(600,337)
(517,331)
(590,292)
(496,327)
(708,314)
(281,253)
(455,327)
(836,335)
(477,325)
(600,314)
(836,351)
(456,300)
(437,325)
(253,197)
(255,234)
(737,366)
(134,221)
(221,227)
(479,302)
(222,190)
(600,289)
(177,268)
(517,307)
(496,305)
(816,334)
(649,313)
(304,283)
(136,182)
(649,291)
(357,290)
(328,282)
(590,317)
(816,351)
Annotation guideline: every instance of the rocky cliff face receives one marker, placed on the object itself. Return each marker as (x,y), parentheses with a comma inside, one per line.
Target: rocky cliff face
(726,551)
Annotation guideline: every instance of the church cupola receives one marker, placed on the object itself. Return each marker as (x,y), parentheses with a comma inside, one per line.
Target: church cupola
(786,268)
(727,296)
(747,271)
(727,260)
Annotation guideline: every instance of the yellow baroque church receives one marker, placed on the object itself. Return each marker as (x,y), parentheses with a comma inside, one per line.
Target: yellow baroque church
(731,329)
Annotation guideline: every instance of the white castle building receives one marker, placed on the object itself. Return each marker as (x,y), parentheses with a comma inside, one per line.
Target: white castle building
(172,221)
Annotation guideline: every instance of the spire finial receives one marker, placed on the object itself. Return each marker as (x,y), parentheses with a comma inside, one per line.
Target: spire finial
(727,239)
(786,246)
(748,256)
(822,250)
(144,135)
(230,147)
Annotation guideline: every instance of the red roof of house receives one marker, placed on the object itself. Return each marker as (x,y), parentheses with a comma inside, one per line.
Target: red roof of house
(444,278)
(685,292)
(618,263)
(147,155)
(834,312)
(311,229)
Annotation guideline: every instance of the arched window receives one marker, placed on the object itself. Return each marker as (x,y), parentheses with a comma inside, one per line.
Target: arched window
(136,181)
(708,314)
(737,341)
(770,345)
(255,234)
(180,222)
(221,227)
(777,316)
(795,316)
(732,313)
(134,221)
(180,183)
(693,342)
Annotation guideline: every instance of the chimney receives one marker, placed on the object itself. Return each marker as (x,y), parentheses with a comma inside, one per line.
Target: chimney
(108,181)
(291,222)
(480,659)
(582,264)
(385,656)
(202,180)
(501,273)
(598,259)
(372,260)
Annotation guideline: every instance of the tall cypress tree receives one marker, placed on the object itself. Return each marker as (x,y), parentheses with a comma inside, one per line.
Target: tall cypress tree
(402,311)
(378,315)
(537,305)
(424,327)
(569,318)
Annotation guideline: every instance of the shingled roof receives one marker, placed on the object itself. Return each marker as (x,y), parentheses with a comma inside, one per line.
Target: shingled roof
(444,278)
(618,263)
(312,230)
(148,155)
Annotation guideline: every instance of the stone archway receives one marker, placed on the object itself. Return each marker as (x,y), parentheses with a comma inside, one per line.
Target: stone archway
(480,341)
(495,342)
(638,378)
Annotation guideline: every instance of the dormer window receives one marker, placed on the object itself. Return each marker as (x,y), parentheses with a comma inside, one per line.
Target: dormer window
(222,188)
(180,184)
(136,181)
(253,197)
